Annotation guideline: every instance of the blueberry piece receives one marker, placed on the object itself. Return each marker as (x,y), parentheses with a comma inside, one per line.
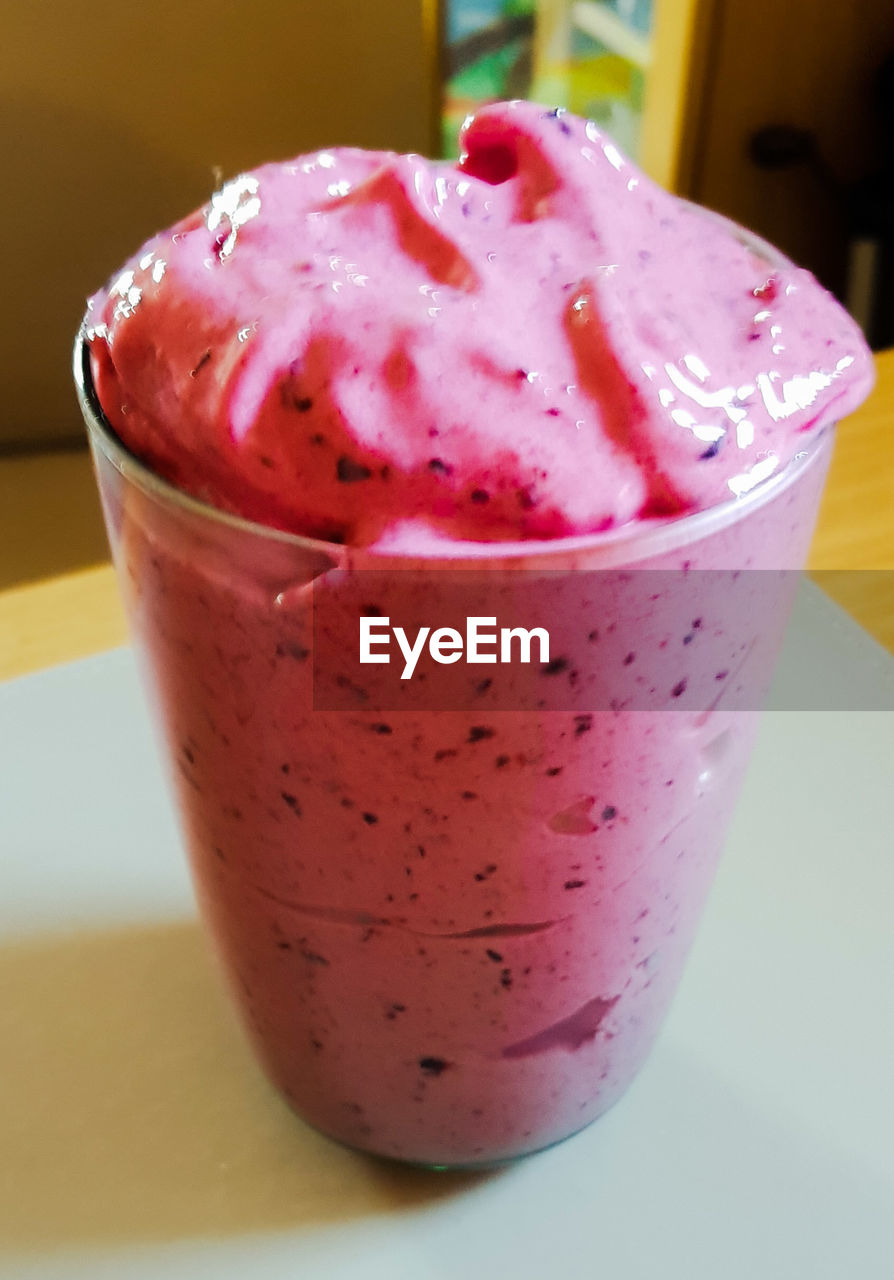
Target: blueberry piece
(479,732)
(554,667)
(349,471)
(432,1066)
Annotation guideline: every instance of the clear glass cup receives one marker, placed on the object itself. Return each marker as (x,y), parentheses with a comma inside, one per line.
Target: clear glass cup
(453,930)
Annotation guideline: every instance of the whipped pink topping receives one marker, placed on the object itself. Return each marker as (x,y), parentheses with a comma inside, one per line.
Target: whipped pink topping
(534,342)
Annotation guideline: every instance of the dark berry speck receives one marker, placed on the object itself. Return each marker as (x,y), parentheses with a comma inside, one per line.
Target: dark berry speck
(555,667)
(349,471)
(296,651)
(201,364)
(479,732)
(432,1066)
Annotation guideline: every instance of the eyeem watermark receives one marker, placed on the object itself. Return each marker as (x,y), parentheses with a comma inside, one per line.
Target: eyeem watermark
(482,643)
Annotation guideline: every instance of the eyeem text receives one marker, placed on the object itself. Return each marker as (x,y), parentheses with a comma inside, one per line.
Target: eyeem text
(482,642)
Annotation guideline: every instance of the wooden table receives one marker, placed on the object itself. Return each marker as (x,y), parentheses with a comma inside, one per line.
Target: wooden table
(76,614)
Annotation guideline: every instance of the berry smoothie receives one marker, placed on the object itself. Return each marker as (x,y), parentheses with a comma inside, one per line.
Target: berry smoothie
(454,928)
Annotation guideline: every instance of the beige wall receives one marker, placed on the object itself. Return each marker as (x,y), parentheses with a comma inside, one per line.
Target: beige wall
(114,115)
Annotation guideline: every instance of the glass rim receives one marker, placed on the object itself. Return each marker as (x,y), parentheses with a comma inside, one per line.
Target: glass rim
(624,545)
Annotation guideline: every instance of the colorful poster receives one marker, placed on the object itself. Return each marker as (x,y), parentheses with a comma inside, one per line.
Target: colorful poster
(591,56)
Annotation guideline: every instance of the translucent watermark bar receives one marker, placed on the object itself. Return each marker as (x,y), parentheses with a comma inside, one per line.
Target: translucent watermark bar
(581,641)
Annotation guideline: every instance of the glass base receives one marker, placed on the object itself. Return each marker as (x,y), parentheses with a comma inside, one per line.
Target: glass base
(479,1166)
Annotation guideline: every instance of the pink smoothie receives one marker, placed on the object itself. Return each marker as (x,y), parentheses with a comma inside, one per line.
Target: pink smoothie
(533,343)
(454,934)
